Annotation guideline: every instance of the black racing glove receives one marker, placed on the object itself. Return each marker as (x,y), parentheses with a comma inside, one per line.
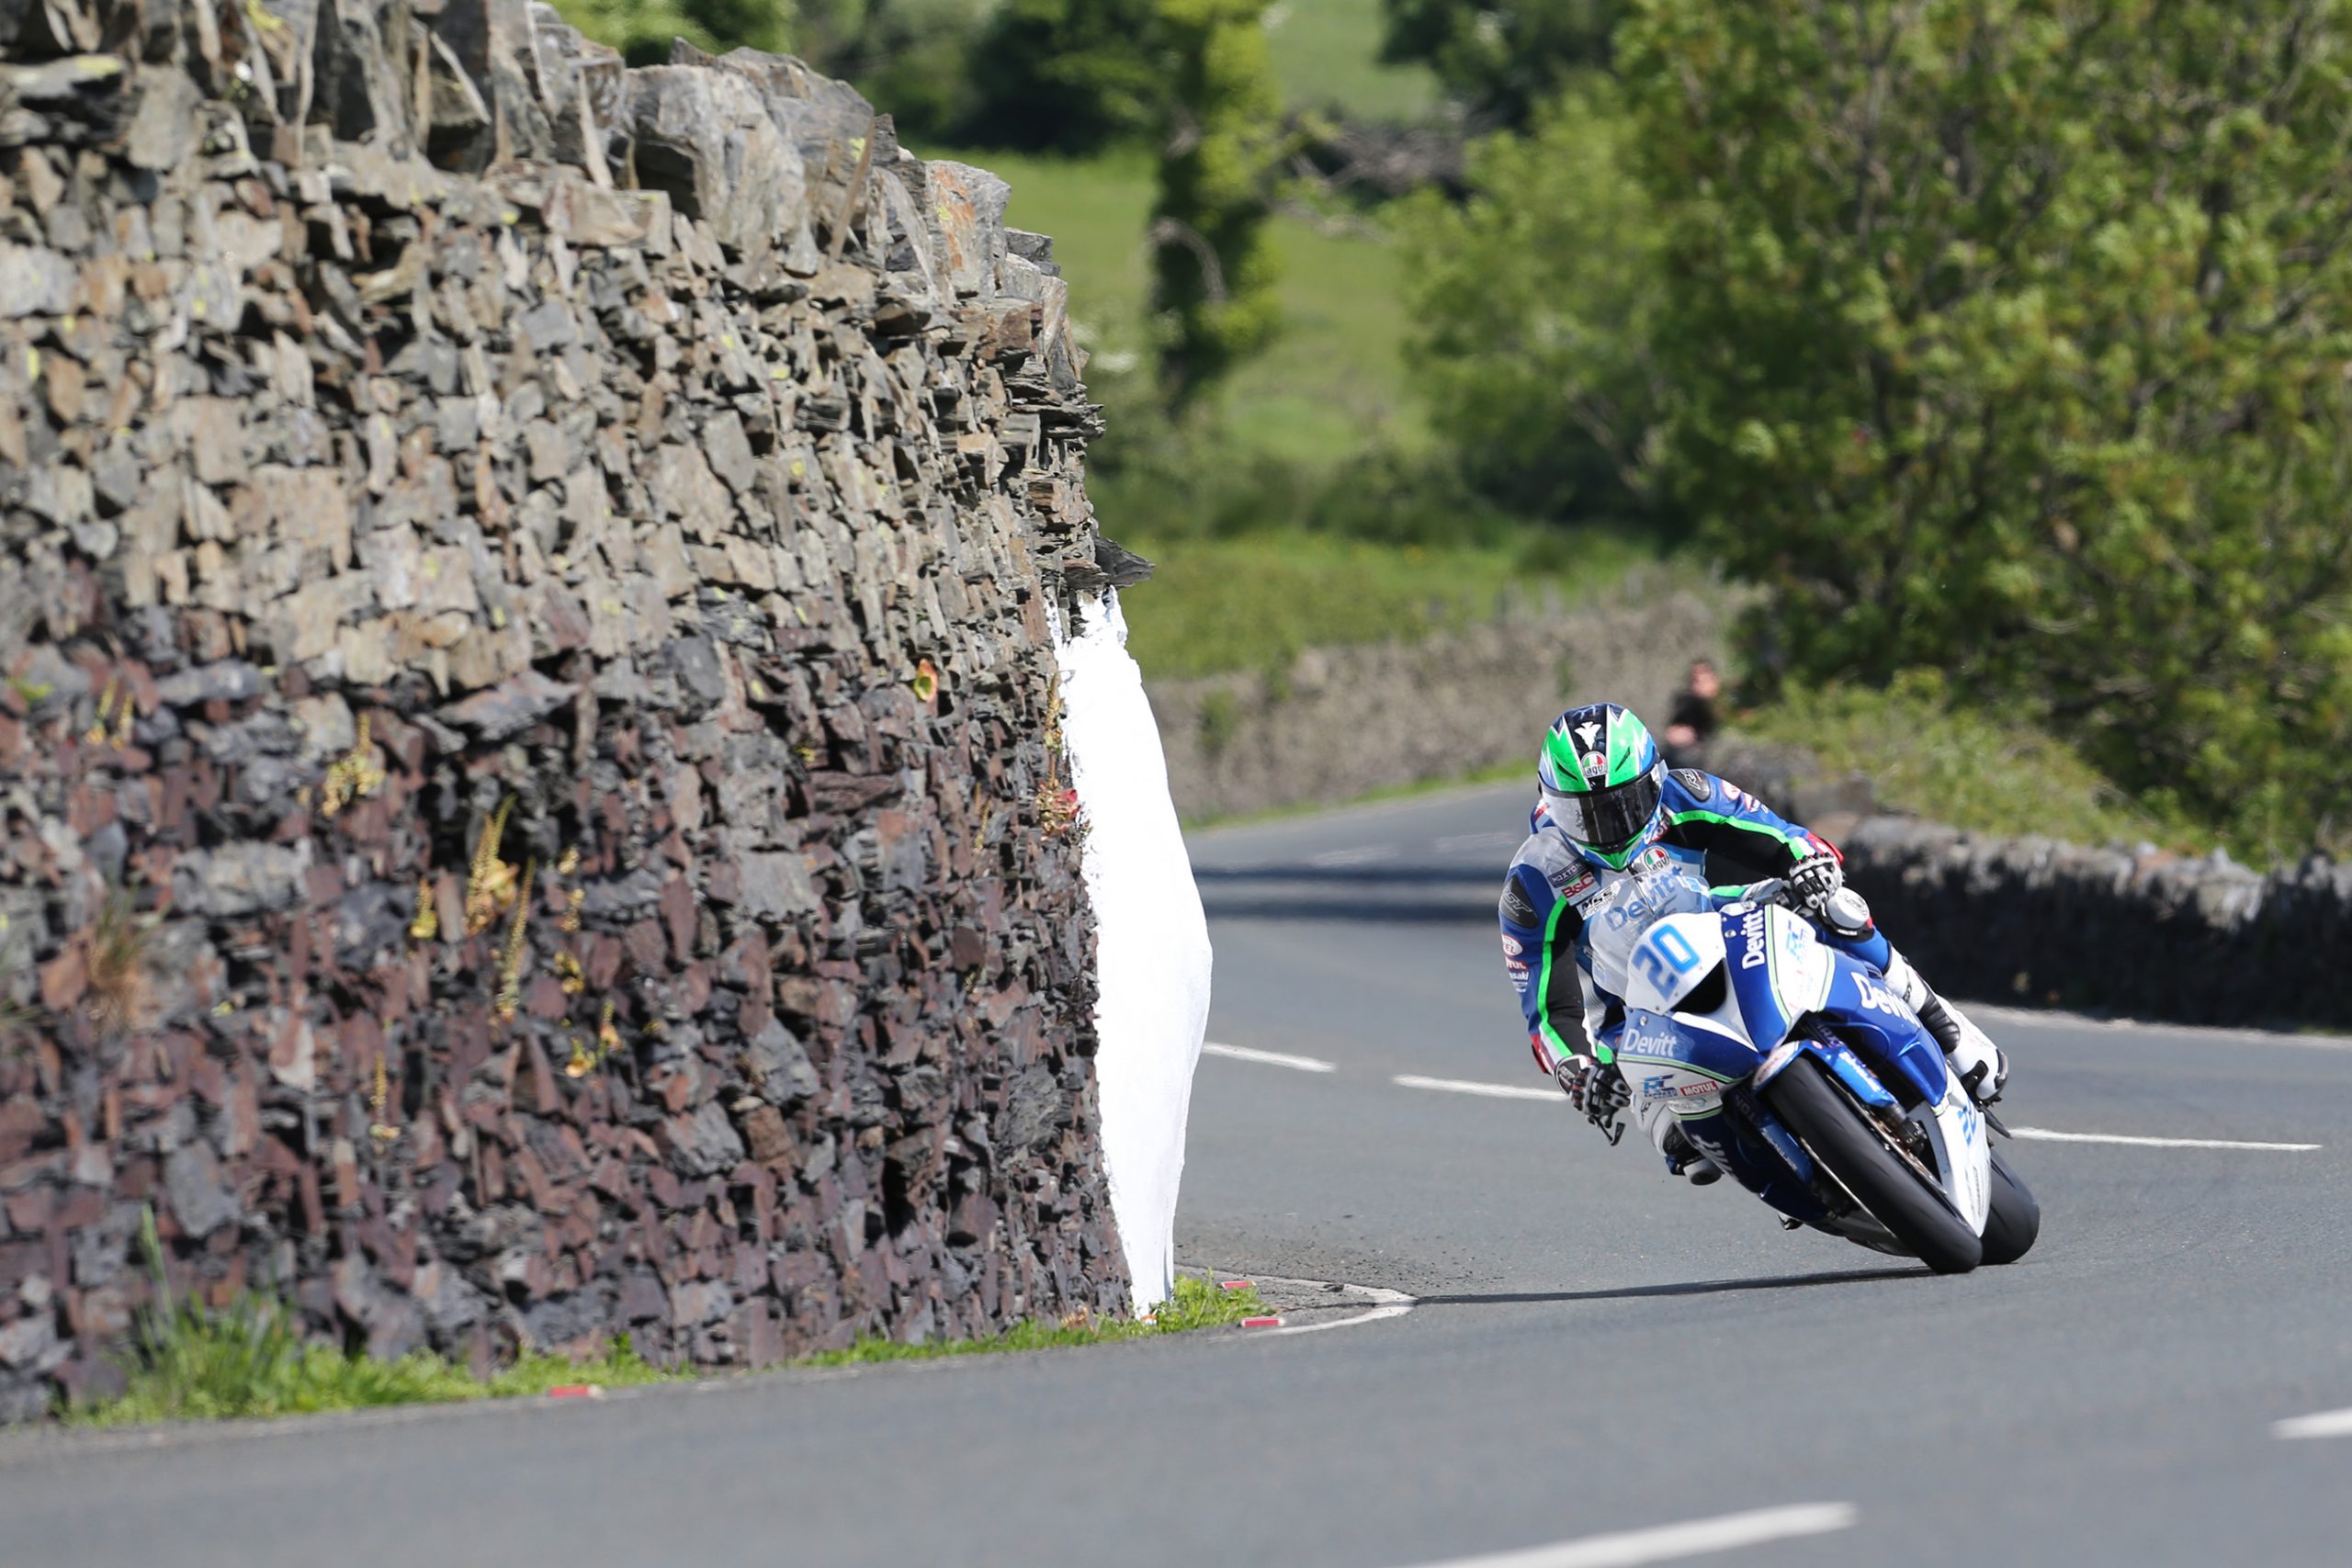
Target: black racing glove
(1600,1092)
(1814,880)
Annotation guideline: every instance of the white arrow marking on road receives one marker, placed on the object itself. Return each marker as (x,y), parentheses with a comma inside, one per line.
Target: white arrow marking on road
(1665,1542)
(2046,1135)
(2326,1424)
(1465,1085)
(1268,1058)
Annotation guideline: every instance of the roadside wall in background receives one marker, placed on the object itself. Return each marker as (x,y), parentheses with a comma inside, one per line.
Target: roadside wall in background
(1340,722)
(531,803)
(2146,936)
(2036,922)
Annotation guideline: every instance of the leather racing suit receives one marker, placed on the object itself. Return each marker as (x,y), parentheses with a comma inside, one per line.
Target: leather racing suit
(1568,926)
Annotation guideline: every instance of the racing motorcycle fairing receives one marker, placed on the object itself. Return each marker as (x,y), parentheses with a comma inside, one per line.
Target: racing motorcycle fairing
(1779,970)
(1863,1010)
(1886,1056)
(1716,1002)
(1699,1065)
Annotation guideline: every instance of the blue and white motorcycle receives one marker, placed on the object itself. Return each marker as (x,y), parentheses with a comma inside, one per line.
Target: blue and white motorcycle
(1797,1070)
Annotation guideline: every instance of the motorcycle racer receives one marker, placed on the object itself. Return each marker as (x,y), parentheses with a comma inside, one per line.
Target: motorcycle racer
(1617,841)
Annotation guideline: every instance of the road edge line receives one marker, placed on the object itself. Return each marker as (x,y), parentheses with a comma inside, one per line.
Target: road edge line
(1386,1303)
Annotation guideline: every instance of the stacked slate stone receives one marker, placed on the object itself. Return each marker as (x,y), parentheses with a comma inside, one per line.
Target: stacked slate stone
(530,798)
(2134,932)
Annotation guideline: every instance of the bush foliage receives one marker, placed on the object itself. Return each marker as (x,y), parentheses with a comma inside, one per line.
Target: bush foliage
(2009,337)
(1500,59)
(1538,300)
(1925,755)
(2001,337)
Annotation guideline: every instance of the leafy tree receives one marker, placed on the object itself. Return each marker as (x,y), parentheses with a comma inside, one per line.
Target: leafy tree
(1537,296)
(916,60)
(1213,267)
(1500,61)
(2010,337)
(1071,75)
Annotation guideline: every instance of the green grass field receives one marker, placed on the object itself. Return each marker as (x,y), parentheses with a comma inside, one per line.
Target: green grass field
(1326,51)
(1254,602)
(1334,381)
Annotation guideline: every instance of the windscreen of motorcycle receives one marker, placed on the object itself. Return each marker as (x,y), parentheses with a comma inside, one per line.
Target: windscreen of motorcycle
(1672,956)
(1779,970)
(1655,885)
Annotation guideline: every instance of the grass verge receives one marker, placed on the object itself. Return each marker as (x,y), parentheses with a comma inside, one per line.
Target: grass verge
(1254,602)
(193,1362)
(1929,757)
(1196,1304)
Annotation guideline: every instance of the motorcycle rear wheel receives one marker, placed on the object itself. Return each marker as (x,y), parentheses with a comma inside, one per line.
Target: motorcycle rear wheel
(1841,1137)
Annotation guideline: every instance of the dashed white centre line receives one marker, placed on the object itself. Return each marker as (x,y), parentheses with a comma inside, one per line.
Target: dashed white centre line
(1468,1085)
(1268,1058)
(1353,857)
(1457,842)
(1664,1543)
(2046,1135)
(2326,1424)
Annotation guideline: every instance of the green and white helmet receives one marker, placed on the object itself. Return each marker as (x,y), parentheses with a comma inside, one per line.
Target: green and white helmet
(1602,778)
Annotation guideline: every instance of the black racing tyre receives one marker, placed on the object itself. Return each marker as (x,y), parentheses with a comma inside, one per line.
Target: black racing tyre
(2015,1219)
(1833,1127)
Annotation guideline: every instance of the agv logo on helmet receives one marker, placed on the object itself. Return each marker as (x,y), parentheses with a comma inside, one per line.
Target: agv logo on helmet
(1603,779)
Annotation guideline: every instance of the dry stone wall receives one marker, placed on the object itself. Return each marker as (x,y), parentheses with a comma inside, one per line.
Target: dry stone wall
(530,800)
(1335,722)
(2140,933)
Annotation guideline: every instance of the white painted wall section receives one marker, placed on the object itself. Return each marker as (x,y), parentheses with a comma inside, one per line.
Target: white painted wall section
(1153,941)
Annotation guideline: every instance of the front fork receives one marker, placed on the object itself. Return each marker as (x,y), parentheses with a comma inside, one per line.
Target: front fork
(1741,1138)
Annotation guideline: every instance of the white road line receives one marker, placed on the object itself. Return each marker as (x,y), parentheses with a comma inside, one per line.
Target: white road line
(2046,1135)
(2326,1424)
(1991,1013)
(1268,1058)
(1387,1304)
(1456,842)
(1465,1085)
(1353,857)
(1665,1542)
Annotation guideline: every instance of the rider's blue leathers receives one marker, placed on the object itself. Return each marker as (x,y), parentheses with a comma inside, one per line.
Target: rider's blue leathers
(1560,909)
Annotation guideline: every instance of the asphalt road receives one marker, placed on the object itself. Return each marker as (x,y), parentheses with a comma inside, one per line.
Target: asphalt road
(1598,1349)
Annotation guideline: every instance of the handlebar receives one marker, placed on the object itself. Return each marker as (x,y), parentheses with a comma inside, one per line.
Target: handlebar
(1846,912)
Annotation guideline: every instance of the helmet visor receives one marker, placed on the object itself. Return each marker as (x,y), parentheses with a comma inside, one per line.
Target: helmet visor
(1607,819)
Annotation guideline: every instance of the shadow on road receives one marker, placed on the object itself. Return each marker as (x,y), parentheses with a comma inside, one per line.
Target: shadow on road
(1353,876)
(1693,1288)
(1416,911)
(1383,894)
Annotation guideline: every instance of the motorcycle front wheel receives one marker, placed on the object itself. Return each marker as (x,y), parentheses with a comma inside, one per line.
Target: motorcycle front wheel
(2015,1219)
(1856,1151)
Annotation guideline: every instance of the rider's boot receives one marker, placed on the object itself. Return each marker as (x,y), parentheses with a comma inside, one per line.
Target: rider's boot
(1682,1158)
(1979,1064)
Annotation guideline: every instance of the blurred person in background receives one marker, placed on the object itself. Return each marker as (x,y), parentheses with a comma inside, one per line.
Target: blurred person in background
(1692,722)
